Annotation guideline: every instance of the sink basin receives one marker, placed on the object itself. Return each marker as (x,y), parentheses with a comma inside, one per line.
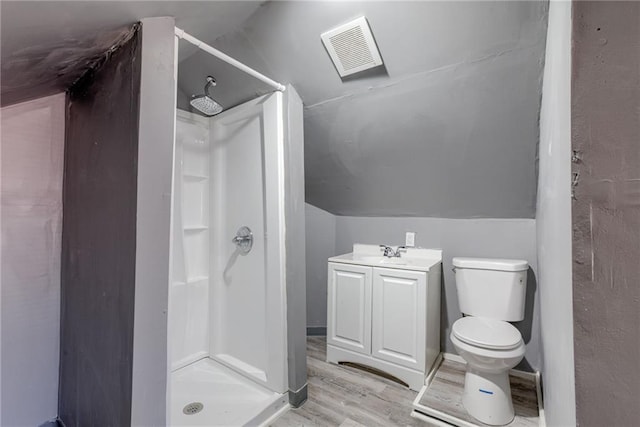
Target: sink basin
(383,260)
(418,259)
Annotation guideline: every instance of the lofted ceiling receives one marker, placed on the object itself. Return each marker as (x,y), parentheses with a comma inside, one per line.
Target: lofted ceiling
(448,127)
(47,45)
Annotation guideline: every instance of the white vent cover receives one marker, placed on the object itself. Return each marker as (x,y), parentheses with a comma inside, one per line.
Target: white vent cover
(351,47)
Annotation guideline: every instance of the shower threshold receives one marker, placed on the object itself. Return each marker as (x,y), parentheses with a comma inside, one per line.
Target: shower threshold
(227,398)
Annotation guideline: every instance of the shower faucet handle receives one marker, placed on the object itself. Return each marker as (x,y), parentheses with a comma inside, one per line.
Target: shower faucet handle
(243,239)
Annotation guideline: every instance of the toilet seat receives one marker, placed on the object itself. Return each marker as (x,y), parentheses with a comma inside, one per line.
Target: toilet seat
(487,333)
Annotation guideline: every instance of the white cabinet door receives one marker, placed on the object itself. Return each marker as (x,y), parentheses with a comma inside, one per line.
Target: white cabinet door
(349,308)
(399,317)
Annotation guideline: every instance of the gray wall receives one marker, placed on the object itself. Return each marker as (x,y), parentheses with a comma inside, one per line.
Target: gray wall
(153,225)
(98,242)
(32,158)
(606,211)
(454,110)
(553,222)
(295,244)
(499,238)
(320,244)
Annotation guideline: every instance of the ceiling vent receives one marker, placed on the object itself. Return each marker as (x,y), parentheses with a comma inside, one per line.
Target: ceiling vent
(351,47)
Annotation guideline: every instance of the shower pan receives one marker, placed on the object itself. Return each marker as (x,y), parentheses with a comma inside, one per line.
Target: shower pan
(227,303)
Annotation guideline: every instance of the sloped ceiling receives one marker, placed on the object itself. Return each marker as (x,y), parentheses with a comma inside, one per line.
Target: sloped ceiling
(47,45)
(447,128)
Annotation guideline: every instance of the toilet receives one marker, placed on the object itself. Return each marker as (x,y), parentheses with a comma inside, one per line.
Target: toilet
(491,293)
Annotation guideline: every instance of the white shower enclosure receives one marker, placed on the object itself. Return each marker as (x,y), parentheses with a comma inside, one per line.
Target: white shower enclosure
(227,311)
(248,329)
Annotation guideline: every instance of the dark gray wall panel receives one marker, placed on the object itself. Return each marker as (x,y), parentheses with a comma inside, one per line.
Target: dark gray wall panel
(45,46)
(606,212)
(99,243)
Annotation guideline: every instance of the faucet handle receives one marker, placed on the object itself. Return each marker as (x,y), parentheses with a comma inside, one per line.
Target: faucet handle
(388,251)
(400,249)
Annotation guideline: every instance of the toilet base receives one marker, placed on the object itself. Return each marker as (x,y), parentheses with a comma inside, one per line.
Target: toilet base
(487,396)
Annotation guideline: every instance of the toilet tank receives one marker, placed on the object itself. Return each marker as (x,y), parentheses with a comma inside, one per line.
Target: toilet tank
(493,288)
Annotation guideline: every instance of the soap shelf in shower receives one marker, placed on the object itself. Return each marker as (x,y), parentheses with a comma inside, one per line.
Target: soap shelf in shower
(195,228)
(191,280)
(196,279)
(196,250)
(194,176)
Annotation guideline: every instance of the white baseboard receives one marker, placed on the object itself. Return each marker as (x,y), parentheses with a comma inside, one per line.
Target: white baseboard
(432,421)
(434,369)
(453,357)
(280,412)
(543,420)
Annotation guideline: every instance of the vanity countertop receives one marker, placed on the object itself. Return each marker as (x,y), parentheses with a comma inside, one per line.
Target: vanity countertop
(417,259)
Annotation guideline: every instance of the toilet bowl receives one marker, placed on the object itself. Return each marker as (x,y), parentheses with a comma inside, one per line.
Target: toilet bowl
(491,293)
(491,348)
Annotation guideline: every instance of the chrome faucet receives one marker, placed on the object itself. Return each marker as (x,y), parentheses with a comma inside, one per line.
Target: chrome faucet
(390,253)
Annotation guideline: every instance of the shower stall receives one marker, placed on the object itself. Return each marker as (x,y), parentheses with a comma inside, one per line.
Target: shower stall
(228,347)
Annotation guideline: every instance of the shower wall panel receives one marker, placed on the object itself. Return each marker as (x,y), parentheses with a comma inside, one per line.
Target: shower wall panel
(189,293)
(240,280)
(248,319)
(99,243)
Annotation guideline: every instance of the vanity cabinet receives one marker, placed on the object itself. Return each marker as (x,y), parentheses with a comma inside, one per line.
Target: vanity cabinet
(349,316)
(399,316)
(384,318)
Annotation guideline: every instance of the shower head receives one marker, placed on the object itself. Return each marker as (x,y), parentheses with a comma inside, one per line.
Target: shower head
(204,103)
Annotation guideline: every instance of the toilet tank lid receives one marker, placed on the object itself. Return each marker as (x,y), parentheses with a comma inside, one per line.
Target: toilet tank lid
(491,264)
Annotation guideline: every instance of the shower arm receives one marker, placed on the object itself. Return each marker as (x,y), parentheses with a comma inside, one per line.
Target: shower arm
(226,58)
(210,82)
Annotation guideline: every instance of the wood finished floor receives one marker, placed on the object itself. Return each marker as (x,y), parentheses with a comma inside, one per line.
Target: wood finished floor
(348,397)
(445,394)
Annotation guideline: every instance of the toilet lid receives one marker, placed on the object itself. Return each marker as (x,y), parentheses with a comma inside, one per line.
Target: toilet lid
(487,333)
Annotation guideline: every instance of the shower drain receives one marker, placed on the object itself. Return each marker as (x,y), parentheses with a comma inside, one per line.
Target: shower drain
(192,408)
